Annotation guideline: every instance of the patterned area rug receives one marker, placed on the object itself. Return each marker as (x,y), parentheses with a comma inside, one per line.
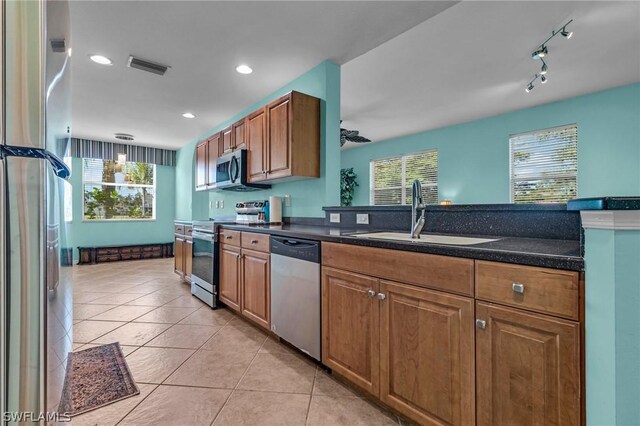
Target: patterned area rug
(96,377)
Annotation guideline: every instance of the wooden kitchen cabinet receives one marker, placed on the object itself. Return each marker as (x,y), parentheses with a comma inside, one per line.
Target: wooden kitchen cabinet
(528,368)
(226,136)
(213,152)
(256,140)
(237,135)
(202,164)
(427,354)
(229,276)
(178,255)
(256,287)
(188,258)
(350,327)
(283,139)
(183,250)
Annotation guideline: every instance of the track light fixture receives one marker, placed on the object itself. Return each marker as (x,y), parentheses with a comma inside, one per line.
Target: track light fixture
(542,51)
(544,68)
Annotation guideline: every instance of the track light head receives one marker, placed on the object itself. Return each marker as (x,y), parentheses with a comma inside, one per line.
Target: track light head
(544,68)
(566,34)
(543,79)
(529,88)
(540,53)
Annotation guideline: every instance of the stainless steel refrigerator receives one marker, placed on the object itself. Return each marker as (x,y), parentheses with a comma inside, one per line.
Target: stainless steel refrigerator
(35,291)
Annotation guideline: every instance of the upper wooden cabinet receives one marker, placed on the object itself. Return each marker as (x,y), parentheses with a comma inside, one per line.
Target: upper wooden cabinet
(288,144)
(201,165)
(237,135)
(226,136)
(213,149)
(528,368)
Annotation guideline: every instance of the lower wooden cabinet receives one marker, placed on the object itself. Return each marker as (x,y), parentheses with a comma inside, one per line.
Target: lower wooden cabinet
(410,347)
(427,354)
(229,276)
(178,256)
(256,287)
(350,327)
(188,258)
(245,276)
(528,368)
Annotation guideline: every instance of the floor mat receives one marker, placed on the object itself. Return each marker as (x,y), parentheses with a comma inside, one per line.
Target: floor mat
(96,377)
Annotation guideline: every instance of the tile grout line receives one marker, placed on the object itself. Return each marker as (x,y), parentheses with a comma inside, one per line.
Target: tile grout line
(313,385)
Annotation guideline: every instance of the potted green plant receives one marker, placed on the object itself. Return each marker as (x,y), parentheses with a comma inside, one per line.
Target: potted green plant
(348,183)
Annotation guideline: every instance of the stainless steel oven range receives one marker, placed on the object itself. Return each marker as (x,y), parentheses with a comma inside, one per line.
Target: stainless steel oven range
(204,274)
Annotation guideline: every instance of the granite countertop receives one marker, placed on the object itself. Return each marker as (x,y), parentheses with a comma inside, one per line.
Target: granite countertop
(605,203)
(550,253)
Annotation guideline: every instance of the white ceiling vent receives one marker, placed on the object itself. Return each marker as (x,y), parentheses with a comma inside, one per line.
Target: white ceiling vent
(145,65)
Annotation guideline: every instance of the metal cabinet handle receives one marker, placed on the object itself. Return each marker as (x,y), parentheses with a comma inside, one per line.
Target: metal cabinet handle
(482,324)
(228,237)
(371,294)
(381,296)
(254,241)
(518,287)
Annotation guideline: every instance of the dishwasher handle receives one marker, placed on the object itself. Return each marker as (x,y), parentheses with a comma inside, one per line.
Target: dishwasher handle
(308,250)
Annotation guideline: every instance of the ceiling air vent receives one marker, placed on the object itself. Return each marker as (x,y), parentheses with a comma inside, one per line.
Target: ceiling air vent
(124,136)
(58,45)
(147,66)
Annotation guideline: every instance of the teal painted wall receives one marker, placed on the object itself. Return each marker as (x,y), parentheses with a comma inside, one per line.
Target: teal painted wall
(102,233)
(612,326)
(473,157)
(307,196)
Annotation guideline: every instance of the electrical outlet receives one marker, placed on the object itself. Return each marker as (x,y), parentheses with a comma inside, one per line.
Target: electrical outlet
(287,200)
(362,219)
(210,205)
(217,204)
(334,218)
(222,204)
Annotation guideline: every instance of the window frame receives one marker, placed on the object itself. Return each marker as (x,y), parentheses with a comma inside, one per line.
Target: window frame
(154,186)
(541,177)
(403,194)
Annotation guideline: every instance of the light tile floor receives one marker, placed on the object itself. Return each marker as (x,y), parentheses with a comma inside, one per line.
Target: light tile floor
(198,366)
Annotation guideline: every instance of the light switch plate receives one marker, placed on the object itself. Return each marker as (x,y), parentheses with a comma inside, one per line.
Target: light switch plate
(287,200)
(334,217)
(362,219)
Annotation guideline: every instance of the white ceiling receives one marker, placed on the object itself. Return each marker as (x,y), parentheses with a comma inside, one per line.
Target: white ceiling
(474,60)
(203,42)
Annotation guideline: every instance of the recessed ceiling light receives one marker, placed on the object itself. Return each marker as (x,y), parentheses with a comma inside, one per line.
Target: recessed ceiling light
(102,60)
(188,115)
(244,69)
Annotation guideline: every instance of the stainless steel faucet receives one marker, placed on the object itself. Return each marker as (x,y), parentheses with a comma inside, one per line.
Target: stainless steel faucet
(417,223)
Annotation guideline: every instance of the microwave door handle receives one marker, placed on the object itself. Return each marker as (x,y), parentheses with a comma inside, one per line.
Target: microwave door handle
(234,169)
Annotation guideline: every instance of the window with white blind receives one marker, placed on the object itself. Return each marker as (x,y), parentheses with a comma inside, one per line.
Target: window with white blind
(392,178)
(544,165)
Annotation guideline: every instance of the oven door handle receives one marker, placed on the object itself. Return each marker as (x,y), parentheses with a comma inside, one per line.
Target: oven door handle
(203,236)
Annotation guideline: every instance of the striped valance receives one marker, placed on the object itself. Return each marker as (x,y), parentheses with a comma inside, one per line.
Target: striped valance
(86,148)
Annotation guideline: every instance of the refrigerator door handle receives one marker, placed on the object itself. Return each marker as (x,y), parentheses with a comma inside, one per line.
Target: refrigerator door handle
(59,167)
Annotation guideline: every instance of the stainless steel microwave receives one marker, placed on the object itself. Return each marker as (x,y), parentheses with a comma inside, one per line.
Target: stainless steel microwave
(231,173)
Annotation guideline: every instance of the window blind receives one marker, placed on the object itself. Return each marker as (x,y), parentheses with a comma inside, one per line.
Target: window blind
(392,178)
(544,165)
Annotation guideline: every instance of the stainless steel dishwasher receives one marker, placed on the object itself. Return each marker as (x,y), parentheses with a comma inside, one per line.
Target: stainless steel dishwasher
(295,293)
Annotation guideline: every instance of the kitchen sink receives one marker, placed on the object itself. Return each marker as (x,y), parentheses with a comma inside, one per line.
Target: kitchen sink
(425,239)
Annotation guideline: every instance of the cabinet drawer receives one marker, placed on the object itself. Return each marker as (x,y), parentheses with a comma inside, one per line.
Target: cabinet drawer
(549,291)
(178,228)
(188,230)
(259,242)
(230,237)
(425,270)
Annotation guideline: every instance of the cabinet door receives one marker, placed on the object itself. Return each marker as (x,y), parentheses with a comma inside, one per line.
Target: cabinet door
(226,140)
(256,288)
(350,327)
(237,135)
(229,276)
(188,259)
(201,165)
(213,153)
(178,259)
(528,368)
(256,139)
(427,354)
(279,138)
